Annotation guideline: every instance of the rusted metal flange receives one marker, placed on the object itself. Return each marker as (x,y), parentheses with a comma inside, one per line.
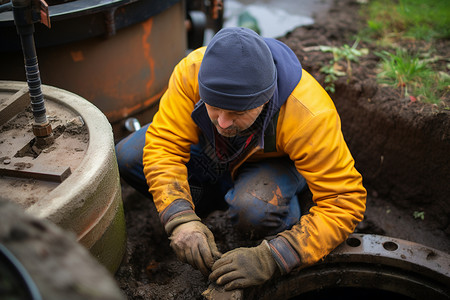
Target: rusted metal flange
(42,130)
(377,264)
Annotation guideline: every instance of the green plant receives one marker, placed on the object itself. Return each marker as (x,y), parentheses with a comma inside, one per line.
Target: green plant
(333,70)
(419,215)
(400,69)
(331,76)
(416,24)
(413,75)
(434,89)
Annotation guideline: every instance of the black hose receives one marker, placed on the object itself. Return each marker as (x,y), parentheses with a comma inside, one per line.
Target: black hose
(33,79)
(25,29)
(13,264)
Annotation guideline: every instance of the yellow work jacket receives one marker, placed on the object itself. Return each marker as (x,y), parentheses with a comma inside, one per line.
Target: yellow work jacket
(308,132)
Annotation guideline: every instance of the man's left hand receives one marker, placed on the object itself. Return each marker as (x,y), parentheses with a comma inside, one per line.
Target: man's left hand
(244,267)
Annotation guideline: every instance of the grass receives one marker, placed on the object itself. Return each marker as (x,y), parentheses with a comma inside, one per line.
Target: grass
(417,19)
(414,76)
(394,25)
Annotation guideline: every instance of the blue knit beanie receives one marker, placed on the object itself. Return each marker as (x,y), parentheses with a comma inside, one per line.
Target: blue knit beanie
(237,72)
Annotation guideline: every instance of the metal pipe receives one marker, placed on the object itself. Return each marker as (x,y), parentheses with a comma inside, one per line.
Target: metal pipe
(110,22)
(22,11)
(34,79)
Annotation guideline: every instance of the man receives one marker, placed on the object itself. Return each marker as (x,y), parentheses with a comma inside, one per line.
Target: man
(242,121)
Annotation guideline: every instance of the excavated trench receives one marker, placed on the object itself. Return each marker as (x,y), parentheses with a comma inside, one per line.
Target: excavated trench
(404,162)
(402,150)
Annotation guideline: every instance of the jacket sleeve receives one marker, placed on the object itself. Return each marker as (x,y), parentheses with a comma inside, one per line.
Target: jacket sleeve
(321,155)
(168,141)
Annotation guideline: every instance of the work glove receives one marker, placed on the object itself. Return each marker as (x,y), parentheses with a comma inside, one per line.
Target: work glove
(244,267)
(194,243)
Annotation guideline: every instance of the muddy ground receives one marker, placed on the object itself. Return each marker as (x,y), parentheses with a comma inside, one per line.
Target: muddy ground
(401,147)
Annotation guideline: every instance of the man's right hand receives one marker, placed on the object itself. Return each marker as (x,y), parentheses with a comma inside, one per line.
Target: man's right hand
(194,243)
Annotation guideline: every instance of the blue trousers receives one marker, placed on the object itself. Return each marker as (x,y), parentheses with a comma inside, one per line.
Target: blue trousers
(261,201)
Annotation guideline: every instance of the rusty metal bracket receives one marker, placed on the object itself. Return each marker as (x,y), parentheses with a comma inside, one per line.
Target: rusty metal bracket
(110,22)
(27,12)
(41,8)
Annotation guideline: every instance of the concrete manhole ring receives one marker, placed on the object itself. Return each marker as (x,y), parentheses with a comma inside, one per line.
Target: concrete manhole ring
(87,200)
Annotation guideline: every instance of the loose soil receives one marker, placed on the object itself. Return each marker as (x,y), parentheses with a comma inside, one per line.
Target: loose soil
(401,148)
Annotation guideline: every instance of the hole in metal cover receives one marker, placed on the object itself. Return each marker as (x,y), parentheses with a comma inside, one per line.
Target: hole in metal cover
(353,242)
(390,246)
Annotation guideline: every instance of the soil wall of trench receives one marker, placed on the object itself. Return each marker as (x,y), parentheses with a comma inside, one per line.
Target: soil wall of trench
(403,157)
(401,146)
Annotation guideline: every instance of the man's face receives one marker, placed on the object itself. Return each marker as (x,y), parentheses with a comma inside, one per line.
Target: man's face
(229,122)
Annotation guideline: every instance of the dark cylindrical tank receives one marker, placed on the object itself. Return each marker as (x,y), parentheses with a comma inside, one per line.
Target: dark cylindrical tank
(116,54)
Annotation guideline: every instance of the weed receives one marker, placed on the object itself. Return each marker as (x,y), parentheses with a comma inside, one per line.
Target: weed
(419,215)
(413,75)
(410,22)
(333,70)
